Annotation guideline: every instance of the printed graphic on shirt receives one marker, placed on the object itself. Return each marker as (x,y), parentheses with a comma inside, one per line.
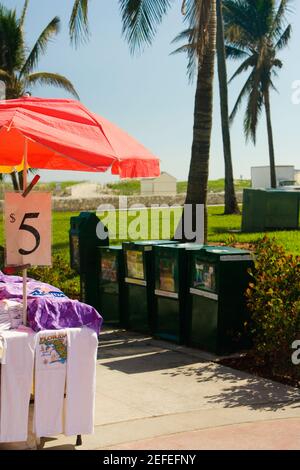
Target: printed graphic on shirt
(53,349)
(42,292)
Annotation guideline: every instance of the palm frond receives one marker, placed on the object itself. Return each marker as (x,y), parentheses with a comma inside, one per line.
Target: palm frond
(4,75)
(141,19)
(79,22)
(52,79)
(278,63)
(280,18)
(272,83)
(240,22)
(233,52)
(190,49)
(11,41)
(184,36)
(23,14)
(198,16)
(246,88)
(191,52)
(284,38)
(253,109)
(40,46)
(249,62)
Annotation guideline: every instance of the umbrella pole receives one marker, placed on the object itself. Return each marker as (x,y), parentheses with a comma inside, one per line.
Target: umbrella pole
(25,165)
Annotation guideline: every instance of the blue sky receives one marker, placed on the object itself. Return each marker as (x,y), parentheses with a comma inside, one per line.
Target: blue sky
(149,96)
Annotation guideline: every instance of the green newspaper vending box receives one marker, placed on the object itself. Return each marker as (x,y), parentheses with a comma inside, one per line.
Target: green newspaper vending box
(139,284)
(111,285)
(170,315)
(218,281)
(83,254)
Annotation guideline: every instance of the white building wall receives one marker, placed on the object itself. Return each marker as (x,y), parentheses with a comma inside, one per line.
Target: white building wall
(164,184)
(147,187)
(165,187)
(260,176)
(297,177)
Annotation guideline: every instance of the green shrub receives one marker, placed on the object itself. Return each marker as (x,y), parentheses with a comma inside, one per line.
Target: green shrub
(273,299)
(59,275)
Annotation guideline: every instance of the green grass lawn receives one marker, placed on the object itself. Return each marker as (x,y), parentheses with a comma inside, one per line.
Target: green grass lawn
(219,227)
(57,189)
(216,186)
(131,187)
(126,188)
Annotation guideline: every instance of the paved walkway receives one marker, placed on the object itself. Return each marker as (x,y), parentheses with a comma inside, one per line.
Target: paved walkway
(155,395)
(283,434)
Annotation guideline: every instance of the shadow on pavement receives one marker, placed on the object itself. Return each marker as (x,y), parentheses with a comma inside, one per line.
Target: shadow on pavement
(150,362)
(116,344)
(126,349)
(45,440)
(131,353)
(242,389)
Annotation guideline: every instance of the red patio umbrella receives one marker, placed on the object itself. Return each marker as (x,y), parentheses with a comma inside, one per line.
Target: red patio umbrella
(64,135)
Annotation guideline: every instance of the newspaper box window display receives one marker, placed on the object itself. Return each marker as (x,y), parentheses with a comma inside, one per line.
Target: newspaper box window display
(56,340)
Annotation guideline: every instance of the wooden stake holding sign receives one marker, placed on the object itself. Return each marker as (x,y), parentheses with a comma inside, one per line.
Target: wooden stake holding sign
(27,230)
(25,269)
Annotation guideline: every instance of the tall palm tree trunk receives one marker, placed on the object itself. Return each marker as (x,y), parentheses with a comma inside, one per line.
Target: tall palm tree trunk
(203,110)
(270,139)
(231,205)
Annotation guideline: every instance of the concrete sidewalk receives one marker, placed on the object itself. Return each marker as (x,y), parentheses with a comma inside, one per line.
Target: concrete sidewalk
(155,395)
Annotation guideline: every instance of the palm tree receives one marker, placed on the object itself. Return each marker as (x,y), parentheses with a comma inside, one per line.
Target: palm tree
(141,19)
(231,205)
(189,47)
(256,30)
(17,67)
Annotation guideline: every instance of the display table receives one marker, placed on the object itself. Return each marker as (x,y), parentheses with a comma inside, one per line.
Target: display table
(62,366)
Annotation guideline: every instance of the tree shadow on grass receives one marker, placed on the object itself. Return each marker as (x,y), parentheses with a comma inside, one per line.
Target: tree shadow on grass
(224,230)
(61,246)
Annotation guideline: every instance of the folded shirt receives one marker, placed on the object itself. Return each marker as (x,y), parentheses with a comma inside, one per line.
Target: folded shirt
(11,287)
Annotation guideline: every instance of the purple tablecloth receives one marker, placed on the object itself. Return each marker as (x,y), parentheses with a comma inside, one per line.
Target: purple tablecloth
(48,307)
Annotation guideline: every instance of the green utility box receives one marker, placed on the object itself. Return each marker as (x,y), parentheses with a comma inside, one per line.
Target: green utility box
(171,281)
(218,281)
(139,284)
(83,254)
(270,209)
(111,285)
